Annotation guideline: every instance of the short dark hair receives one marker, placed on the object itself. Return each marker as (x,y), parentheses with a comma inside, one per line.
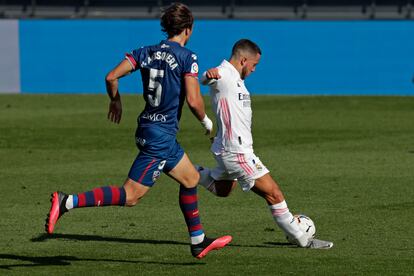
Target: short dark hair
(176,18)
(245,45)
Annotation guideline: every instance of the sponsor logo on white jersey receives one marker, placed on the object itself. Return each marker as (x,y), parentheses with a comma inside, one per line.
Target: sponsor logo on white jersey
(244,97)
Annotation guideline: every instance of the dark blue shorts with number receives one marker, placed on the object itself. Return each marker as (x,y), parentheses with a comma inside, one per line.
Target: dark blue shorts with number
(159,152)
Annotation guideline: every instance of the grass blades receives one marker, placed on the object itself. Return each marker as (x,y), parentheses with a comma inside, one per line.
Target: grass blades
(347,162)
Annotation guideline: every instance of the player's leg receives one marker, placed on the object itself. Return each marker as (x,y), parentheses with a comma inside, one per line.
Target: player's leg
(252,174)
(185,173)
(220,188)
(102,196)
(139,181)
(188,177)
(134,192)
(216,180)
(127,195)
(267,188)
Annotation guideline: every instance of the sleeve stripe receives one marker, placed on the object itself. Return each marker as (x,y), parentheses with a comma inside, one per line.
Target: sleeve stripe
(131,60)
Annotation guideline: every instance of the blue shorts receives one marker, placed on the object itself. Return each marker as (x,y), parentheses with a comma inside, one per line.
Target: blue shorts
(159,152)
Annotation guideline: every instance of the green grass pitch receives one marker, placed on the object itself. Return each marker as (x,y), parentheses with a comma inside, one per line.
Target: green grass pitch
(347,162)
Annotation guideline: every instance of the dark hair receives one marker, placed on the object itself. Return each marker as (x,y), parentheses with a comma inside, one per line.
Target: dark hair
(245,45)
(176,18)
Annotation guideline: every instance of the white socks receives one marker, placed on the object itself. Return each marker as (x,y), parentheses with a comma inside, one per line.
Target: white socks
(206,180)
(285,220)
(197,239)
(69,202)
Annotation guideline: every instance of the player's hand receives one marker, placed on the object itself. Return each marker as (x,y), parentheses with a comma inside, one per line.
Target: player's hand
(115,111)
(207,124)
(213,73)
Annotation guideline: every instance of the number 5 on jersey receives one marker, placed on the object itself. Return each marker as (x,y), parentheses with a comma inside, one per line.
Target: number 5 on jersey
(155,87)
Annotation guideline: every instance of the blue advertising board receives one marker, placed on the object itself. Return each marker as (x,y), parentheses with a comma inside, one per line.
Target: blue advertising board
(299,57)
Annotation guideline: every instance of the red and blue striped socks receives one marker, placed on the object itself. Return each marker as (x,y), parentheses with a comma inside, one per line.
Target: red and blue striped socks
(188,205)
(102,196)
(112,195)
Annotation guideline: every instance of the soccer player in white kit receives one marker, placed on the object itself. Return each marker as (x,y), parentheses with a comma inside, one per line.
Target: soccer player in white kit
(233,144)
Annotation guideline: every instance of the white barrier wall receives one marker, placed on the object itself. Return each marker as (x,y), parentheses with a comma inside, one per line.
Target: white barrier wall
(9,56)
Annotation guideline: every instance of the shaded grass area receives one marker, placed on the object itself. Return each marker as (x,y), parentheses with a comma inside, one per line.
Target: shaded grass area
(347,162)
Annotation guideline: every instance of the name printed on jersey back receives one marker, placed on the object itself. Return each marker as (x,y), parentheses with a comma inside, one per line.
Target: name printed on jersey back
(164,56)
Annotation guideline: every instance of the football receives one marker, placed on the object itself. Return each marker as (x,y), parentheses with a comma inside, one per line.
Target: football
(306,225)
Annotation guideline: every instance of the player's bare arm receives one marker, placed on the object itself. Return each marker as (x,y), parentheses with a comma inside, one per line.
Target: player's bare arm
(111,80)
(196,103)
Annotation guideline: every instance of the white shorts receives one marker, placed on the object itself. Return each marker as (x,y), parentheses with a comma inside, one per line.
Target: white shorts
(245,167)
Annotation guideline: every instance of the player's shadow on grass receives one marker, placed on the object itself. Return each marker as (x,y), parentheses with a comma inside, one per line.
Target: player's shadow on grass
(67,260)
(281,244)
(44,237)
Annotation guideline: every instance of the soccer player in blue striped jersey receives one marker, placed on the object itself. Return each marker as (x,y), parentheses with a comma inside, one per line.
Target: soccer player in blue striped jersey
(169,76)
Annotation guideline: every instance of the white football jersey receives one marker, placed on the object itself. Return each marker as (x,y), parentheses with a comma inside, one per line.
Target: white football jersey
(231,105)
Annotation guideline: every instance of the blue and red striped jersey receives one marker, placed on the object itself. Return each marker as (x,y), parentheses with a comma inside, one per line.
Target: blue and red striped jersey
(163,67)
